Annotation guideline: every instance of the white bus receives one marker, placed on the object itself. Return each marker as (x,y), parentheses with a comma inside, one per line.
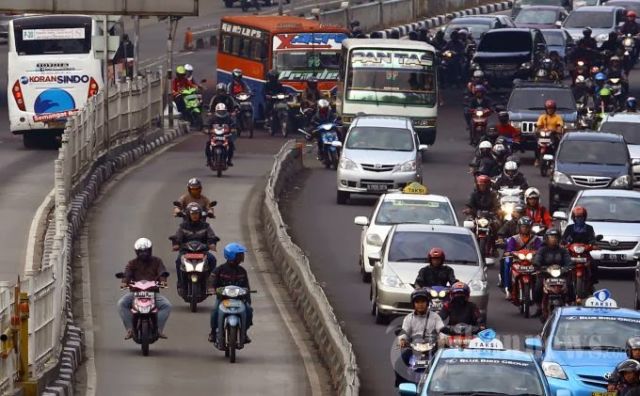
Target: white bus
(390,77)
(52,71)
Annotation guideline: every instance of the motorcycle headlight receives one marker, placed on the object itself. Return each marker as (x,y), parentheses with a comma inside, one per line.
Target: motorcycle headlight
(581,63)
(200,267)
(529,256)
(408,166)
(561,178)
(522,256)
(628,42)
(346,163)
(601,38)
(442,293)
(553,370)
(374,240)
(391,280)
(479,113)
(477,285)
(483,222)
(622,181)
(555,272)
(526,65)
(578,249)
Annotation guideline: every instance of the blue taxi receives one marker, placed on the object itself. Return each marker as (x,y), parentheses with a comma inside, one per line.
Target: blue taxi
(580,346)
(483,368)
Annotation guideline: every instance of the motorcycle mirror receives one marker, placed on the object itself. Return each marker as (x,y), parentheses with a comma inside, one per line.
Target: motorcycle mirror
(212,204)
(177,203)
(179,214)
(120,275)
(599,237)
(165,274)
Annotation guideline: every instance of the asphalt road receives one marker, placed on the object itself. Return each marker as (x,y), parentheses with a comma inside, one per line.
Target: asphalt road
(139,205)
(325,231)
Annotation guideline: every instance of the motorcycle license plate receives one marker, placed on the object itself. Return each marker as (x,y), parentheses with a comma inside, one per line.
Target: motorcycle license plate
(614,257)
(377,187)
(544,140)
(579,259)
(421,362)
(143,294)
(604,393)
(219,138)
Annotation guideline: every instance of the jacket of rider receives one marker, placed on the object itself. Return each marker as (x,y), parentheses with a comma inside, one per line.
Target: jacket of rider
(462,312)
(517,181)
(137,270)
(230,275)
(517,242)
(539,215)
(415,325)
(572,235)
(546,256)
(179,84)
(487,200)
(198,231)
(203,201)
(435,276)
(629,27)
(228,101)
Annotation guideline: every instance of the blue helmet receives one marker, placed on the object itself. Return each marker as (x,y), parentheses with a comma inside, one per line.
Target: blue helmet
(232,250)
(600,77)
(631,102)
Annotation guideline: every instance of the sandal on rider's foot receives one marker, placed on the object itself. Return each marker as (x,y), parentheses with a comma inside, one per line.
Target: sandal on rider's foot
(129,335)
(162,335)
(211,337)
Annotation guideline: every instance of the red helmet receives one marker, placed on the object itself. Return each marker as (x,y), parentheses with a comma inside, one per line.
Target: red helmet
(460,289)
(579,211)
(483,179)
(436,252)
(631,14)
(550,103)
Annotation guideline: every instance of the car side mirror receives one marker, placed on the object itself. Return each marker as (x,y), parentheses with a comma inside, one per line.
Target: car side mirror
(361,221)
(408,389)
(375,256)
(423,147)
(559,215)
(336,143)
(533,343)
(489,261)
(599,237)
(469,224)
(120,275)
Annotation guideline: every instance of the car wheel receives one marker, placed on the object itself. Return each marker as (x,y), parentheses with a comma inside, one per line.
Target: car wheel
(366,276)
(342,197)
(381,318)
(373,300)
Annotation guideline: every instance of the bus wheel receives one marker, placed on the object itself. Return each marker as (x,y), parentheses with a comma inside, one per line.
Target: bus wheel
(29,140)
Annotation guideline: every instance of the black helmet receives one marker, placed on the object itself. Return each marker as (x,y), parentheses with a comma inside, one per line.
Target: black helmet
(525,220)
(633,343)
(454,35)
(586,32)
(503,116)
(552,232)
(272,76)
(420,293)
(628,366)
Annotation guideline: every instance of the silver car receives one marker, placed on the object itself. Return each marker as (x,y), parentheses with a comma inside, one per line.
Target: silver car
(627,125)
(403,254)
(601,20)
(380,154)
(614,214)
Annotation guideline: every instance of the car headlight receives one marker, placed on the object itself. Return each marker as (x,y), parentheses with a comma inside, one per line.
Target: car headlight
(346,163)
(561,178)
(622,181)
(477,285)
(374,240)
(602,38)
(408,166)
(516,124)
(553,370)
(391,280)
(570,125)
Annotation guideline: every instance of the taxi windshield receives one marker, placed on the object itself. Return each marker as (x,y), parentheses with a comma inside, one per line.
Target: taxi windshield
(413,246)
(470,376)
(594,333)
(397,211)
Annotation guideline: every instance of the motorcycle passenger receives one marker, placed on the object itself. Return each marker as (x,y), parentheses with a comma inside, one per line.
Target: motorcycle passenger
(189,74)
(557,65)
(504,128)
(272,88)
(614,68)
(439,41)
(460,309)
(420,323)
(630,26)
(477,79)
(551,253)
(194,194)
(482,198)
(523,239)
(324,115)
(221,116)
(479,100)
(221,96)
(511,177)
(582,92)
(550,121)
(237,84)
(625,378)
(631,105)
(144,267)
(437,273)
(538,213)
(179,84)
(581,232)
(484,163)
(231,273)
(194,229)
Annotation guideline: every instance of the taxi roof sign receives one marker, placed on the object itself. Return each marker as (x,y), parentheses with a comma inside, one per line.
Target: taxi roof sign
(486,339)
(415,188)
(601,299)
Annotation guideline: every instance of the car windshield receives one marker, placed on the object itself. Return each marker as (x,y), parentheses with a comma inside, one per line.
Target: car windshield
(396,211)
(392,77)
(611,209)
(594,332)
(593,152)
(592,19)
(414,246)
(629,5)
(476,28)
(533,99)
(505,42)
(542,2)
(375,138)
(554,38)
(629,130)
(496,376)
(536,16)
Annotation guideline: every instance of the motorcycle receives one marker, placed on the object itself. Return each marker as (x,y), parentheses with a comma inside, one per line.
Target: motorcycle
(618,91)
(479,118)
(460,335)
(629,58)
(481,226)
(331,145)
(509,198)
(555,291)
(231,320)
(192,99)
(245,113)
(279,120)
(439,298)
(423,350)
(581,259)
(581,68)
(546,150)
(144,311)
(195,272)
(219,144)
(447,69)
(522,280)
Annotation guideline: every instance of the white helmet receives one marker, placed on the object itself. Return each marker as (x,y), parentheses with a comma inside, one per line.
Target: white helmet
(510,169)
(485,144)
(580,79)
(188,67)
(532,192)
(142,244)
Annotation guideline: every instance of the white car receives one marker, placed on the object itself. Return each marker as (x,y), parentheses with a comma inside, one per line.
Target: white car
(627,125)
(396,208)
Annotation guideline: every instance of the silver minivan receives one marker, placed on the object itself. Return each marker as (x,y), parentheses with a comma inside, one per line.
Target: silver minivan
(380,154)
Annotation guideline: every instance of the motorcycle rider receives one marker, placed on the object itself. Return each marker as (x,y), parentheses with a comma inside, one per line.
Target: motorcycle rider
(557,65)
(550,121)
(311,94)
(504,128)
(611,45)
(630,26)
(437,273)
(523,239)
(419,323)
(510,227)
(606,102)
(582,93)
(324,115)
(460,309)
(479,100)
(631,105)
(438,41)
(222,96)
(581,232)
(551,253)
(538,213)
(482,198)
(194,229)
(500,153)
(633,348)
(484,163)
(272,88)
(194,194)
(625,378)
(221,116)
(231,273)
(237,84)
(144,267)
(614,68)
(179,84)
(511,177)
(587,42)
(459,50)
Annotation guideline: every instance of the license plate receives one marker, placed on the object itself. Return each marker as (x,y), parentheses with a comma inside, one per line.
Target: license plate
(376,187)
(56,124)
(544,140)
(579,259)
(604,393)
(421,363)
(144,294)
(615,257)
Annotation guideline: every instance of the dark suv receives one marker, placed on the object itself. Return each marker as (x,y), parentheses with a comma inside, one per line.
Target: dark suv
(589,160)
(507,54)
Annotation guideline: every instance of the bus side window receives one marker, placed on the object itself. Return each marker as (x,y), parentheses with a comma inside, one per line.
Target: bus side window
(257,50)
(226,43)
(245,48)
(236,45)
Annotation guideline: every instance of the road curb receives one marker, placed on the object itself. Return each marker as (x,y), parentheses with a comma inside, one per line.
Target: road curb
(309,297)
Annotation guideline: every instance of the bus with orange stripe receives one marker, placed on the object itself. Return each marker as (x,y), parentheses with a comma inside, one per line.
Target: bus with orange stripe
(297,48)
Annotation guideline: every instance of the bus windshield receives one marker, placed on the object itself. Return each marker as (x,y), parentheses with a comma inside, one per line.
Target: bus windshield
(52,36)
(397,77)
(299,56)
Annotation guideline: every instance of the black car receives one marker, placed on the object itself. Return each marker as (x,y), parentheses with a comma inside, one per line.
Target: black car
(589,160)
(507,54)
(526,105)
